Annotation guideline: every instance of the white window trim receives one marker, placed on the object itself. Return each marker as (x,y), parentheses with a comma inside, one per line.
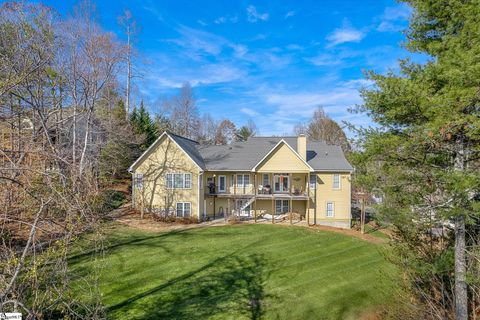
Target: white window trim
(310,181)
(184,185)
(224,185)
(183,209)
(288,179)
(339,181)
(243,184)
(333,209)
(138,181)
(268,179)
(282,206)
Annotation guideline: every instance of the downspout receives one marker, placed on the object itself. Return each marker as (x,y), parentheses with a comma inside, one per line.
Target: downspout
(200,183)
(316,204)
(133,187)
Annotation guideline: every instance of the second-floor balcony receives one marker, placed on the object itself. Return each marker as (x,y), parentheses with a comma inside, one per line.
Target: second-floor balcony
(263,186)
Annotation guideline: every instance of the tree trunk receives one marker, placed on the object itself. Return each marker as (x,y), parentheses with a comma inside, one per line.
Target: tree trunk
(461,294)
(461,298)
(129,74)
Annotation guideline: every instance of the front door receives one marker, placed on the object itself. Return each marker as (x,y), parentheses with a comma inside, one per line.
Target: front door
(281,182)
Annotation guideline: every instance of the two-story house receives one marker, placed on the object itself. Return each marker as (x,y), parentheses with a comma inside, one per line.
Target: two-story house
(264,177)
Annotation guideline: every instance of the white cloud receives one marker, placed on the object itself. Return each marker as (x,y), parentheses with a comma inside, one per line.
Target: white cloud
(400,12)
(200,41)
(240,50)
(289,14)
(174,77)
(154,12)
(288,107)
(394,18)
(325,59)
(346,33)
(249,112)
(202,23)
(253,15)
(294,46)
(225,19)
(220,20)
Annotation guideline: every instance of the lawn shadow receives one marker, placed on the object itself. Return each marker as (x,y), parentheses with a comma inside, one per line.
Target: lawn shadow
(232,284)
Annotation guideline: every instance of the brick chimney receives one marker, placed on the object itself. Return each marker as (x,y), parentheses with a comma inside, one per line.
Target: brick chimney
(302,146)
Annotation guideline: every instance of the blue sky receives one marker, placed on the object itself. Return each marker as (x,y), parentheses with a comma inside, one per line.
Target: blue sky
(269,61)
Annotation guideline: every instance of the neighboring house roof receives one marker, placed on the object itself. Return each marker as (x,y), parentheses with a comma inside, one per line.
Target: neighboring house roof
(244,156)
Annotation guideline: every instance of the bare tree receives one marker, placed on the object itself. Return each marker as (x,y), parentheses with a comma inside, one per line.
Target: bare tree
(323,128)
(300,128)
(184,113)
(130,28)
(55,76)
(208,130)
(226,132)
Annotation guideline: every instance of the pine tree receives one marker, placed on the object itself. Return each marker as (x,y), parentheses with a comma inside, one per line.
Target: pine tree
(424,157)
(143,124)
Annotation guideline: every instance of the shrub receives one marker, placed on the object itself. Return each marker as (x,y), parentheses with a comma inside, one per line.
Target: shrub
(107,201)
(173,219)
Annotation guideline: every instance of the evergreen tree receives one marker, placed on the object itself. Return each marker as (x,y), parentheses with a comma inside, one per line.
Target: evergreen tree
(122,144)
(243,134)
(143,124)
(424,157)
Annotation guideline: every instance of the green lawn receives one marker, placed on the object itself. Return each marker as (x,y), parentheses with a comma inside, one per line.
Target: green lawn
(240,272)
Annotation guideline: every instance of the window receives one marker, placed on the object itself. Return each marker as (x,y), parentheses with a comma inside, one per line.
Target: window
(330,210)
(138,181)
(266,180)
(183,209)
(187,182)
(243,180)
(179,180)
(246,180)
(281,182)
(313,181)
(336,181)
(281,206)
(222,183)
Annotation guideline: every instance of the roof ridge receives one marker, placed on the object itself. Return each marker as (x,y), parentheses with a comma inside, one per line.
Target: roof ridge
(179,136)
(280,137)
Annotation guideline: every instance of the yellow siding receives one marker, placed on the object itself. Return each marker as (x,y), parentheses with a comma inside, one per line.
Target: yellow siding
(340,197)
(231,185)
(167,157)
(283,160)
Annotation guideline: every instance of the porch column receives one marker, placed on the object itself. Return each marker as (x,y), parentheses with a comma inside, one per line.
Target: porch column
(255,200)
(307,213)
(228,208)
(291,209)
(235,184)
(290,184)
(273,209)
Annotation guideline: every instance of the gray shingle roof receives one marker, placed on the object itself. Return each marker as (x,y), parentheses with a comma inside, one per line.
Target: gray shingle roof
(190,147)
(245,155)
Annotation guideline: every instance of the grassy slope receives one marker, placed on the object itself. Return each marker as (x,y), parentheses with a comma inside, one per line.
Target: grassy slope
(242,271)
